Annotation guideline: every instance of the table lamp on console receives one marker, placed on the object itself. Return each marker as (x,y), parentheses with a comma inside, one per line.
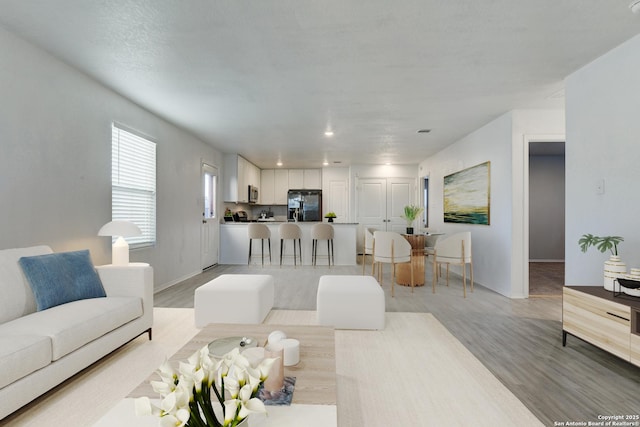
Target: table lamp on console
(120,248)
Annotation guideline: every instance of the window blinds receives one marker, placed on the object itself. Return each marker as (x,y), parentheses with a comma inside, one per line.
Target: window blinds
(133,184)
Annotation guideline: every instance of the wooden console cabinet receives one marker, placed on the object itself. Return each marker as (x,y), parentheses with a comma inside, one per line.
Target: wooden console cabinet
(596,316)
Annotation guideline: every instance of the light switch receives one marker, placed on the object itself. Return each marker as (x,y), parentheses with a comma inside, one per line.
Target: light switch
(600,186)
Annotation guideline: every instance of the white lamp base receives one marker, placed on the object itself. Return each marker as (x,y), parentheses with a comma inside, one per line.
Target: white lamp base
(120,252)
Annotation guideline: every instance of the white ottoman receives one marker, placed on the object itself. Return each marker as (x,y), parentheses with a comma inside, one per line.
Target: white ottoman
(350,302)
(234,298)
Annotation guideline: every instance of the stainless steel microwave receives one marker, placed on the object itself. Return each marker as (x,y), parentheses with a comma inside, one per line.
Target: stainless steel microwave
(253,194)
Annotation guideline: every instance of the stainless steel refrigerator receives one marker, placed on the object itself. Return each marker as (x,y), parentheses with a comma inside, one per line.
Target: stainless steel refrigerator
(304,205)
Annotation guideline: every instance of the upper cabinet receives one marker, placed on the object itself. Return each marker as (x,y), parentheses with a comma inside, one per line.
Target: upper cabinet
(296,179)
(267,189)
(281,186)
(239,174)
(312,179)
(307,179)
(276,182)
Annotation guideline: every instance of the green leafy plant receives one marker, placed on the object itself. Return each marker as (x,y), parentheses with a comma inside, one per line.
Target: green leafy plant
(330,215)
(411,212)
(603,244)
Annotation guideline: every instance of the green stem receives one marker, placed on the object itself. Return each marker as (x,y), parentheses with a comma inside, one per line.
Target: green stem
(194,418)
(207,410)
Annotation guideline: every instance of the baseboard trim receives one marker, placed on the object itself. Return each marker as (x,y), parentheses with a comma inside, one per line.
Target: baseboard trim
(546,260)
(176,281)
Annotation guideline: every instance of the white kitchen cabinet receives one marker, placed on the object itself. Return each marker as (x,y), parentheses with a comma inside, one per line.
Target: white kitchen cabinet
(296,179)
(253,175)
(312,179)
(309,179)
(275,183)
(280,186)
(267,187)
(238,174)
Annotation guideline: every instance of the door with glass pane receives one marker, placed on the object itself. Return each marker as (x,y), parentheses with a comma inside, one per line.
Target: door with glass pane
(210,220)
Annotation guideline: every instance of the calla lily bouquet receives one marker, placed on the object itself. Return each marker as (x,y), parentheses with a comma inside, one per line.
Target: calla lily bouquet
(186,394)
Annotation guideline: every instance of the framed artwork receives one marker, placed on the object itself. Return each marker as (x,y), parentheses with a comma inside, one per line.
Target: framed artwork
(467,195)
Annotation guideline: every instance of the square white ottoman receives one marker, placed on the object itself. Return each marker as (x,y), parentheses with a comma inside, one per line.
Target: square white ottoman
(234,298)
(350,302)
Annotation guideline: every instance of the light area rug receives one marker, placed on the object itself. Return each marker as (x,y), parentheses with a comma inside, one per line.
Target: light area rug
(412,373)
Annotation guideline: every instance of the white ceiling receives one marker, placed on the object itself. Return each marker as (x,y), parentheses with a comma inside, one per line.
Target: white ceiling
(265,78)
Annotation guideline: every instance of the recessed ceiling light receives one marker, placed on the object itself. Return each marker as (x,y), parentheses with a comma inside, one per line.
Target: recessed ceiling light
(328,133)
(388,163)
(424,130)
(279,163)
(325,163)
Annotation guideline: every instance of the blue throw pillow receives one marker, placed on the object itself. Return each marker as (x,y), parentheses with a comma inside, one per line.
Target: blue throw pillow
(61,277)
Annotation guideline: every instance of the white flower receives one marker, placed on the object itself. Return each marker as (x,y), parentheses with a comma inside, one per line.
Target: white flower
(143,406)
(230,410)
(194,379)
(179,419)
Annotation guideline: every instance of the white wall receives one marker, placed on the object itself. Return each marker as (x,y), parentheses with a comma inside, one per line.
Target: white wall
(603,143)
(498,256)
(491,244)
(55,164)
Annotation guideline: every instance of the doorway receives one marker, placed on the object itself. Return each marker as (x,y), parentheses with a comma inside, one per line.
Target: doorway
(210,220)
(546,225)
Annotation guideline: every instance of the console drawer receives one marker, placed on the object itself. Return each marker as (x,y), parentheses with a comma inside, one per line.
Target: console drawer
(603,323)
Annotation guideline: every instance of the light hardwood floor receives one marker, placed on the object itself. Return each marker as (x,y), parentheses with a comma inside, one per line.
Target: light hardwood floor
(519,341)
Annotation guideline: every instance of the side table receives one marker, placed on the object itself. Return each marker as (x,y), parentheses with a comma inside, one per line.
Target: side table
(403,272)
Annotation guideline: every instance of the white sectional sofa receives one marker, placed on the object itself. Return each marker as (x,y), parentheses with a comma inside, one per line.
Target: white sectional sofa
(40,349)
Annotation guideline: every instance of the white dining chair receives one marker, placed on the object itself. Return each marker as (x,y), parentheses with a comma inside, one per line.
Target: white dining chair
(391,248)
(367,249)
(454,249)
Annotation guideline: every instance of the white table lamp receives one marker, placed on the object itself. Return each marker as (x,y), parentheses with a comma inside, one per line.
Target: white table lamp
(120,248)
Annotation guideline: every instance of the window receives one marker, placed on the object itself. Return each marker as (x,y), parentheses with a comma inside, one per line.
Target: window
(210,185)
(133,183)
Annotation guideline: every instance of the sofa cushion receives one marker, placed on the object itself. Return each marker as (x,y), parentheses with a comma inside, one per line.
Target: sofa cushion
(17,296)
(72,325)
(61,277)
(22,355)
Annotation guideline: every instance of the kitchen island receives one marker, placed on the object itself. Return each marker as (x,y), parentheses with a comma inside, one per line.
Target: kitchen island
(234,244)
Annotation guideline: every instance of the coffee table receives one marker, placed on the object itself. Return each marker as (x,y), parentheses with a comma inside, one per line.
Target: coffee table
(314,397)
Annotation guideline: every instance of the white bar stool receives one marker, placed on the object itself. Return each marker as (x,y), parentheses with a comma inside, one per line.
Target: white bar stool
(322,232)
(262,232)
(290,232)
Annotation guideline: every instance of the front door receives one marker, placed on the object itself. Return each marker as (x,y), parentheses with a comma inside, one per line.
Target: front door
(210,220)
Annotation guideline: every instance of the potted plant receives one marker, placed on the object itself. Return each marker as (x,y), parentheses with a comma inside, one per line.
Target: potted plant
(411,212)
(330,216)
(613,267)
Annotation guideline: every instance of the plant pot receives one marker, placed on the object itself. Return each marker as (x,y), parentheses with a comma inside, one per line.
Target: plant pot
(613,268)
(409,230)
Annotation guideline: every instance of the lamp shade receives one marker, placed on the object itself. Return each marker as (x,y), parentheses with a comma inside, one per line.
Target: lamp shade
(120,248)
(119,228)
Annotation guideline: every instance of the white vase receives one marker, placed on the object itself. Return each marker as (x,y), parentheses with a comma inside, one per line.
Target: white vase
(613,268)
